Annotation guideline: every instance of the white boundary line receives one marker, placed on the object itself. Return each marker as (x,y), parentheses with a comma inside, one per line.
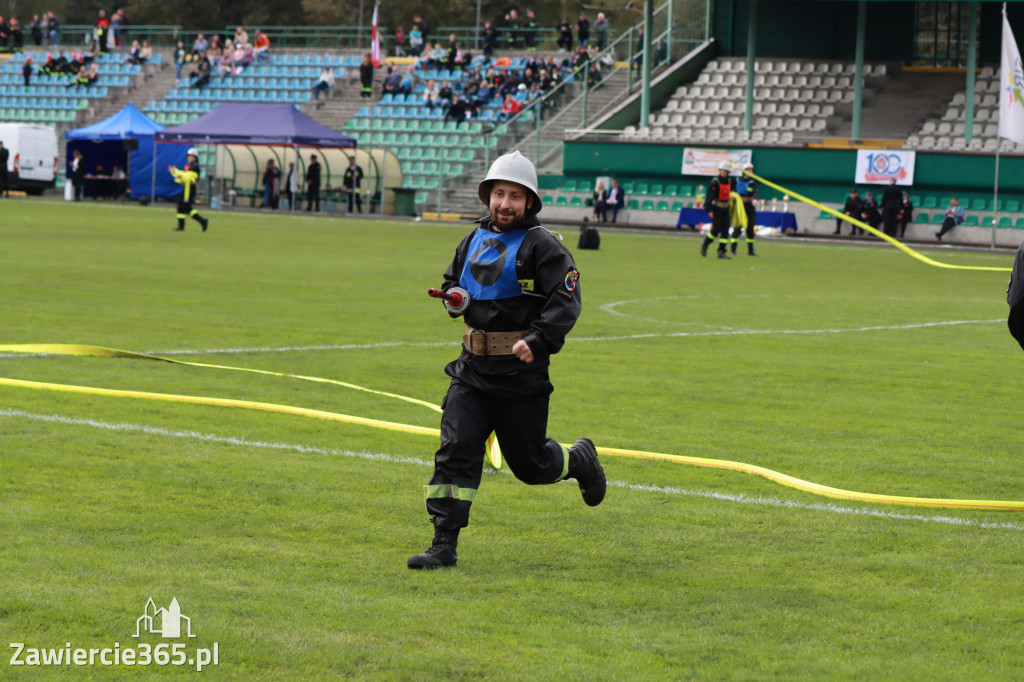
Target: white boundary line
(380,457)
(585,339)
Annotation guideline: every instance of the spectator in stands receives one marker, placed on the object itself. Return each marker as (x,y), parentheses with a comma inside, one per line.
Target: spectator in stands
(17,35)
(411,80)
(660,52)
(869,212)
(490,39)
(583,30)
(123,22)
(892,201)
(215,53)
(179,59)
(530,28)
(133,53)
(92,75)
(457,111)
(451,57)
(393,83)
(400,42)
(102,31)
(445,94)
(202,72)
(423,26)
(81,78)
(53,28)
(313,184)
(243,56)
(353,179)
(600,202)
(261,45)
(271,184)
(366,76)
(954,216)
(601,31)
(430,95)
(200,45)
(26,71)
(227,61)
(565,35)
(616,199)
(241,37)
(511,29)
(5,35)
(638,57)
(853,208)
(906,214)
(291,186)
(415,42)
(146,53)
(115,25)
(325,83)
(509,109)
(36,30)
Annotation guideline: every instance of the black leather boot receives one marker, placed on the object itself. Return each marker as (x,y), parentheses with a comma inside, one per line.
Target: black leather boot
(586,469)
(441,552)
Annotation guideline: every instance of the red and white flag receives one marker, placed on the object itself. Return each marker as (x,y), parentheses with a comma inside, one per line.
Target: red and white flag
(375,42)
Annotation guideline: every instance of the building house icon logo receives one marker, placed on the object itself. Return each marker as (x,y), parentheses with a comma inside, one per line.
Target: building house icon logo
(165,622)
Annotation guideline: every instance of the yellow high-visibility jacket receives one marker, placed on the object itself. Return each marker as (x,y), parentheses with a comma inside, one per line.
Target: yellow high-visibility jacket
(187,178)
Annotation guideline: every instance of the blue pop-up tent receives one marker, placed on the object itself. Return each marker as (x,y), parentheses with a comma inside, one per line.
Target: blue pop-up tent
(126,139)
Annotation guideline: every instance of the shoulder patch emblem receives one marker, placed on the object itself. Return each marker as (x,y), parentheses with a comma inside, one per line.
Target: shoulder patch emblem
(572,278)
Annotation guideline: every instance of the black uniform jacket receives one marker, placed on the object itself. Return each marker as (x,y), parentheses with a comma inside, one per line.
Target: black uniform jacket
(548,308)
(1015,297)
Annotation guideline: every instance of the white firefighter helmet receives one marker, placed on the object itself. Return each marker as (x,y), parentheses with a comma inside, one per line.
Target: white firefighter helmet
(725,165)
(748,166)
(192,151)
(513,167)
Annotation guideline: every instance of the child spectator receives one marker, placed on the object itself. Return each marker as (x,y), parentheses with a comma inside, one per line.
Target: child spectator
(400,42)
(325,83)
(179,59)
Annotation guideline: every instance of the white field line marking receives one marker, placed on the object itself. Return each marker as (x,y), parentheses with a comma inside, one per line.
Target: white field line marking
(380,457)
(441,344)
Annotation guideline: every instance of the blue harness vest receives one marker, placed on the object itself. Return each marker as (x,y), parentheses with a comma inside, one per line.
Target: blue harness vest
(744,188)
(489,272)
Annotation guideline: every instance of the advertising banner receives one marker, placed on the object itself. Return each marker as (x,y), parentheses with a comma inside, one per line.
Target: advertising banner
(878,166)
(705,161)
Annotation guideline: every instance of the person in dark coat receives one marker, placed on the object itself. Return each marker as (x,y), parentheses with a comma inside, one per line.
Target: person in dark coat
(366,76)
(906,214)
(869,212)
(5,155)
(1015,298)
(892,202)
(853,208)
(313,184)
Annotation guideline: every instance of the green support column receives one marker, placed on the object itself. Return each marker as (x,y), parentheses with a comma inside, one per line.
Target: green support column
(645,75)
(748,116)
(972,49)
(858,77)
(669,33)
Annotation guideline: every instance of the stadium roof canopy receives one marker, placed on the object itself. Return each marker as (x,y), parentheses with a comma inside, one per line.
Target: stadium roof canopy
(255,124)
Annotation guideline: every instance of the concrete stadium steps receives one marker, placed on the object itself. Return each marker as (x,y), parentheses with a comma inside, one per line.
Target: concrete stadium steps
(901,103)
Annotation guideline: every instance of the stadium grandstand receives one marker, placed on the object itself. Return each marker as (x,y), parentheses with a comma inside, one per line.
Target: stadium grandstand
(800,85)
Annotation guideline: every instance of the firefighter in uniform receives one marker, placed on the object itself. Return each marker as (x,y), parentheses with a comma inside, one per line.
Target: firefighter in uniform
(746,187)
(187,178)
(716,203)
(523,298)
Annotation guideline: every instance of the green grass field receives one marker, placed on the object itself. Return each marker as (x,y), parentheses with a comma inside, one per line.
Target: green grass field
(284,538)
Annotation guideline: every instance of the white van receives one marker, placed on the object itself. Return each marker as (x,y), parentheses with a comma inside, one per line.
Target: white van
(32,163)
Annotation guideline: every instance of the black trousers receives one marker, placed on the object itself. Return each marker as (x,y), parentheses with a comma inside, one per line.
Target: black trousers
(720,224)
(890,219)
(515,407)
(313,197)
(748,208)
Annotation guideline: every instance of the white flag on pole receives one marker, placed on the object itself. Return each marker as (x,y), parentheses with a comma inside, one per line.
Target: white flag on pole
(1011,88)
(375,42)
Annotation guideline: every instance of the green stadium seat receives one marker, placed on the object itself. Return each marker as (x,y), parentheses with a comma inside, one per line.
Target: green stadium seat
(656,190)
(1012,206)
(1005,221)
(641,189)
(629,187)
(979,205)
(569,186)
(686,191)
(915,199)
(824,215)
(671,190)
(547,200)
(988,221)
(970,221)
(648,205)
(930,202)
(1019,224)
(662,206)
(998,206)
(561,201)
(921,217)
(633,204)
(938,218)
(676,206)
(576,202)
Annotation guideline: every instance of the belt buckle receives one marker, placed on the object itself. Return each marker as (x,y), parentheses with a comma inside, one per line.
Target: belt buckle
(483,339)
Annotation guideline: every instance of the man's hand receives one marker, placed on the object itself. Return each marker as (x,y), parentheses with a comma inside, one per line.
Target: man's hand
(521,350)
